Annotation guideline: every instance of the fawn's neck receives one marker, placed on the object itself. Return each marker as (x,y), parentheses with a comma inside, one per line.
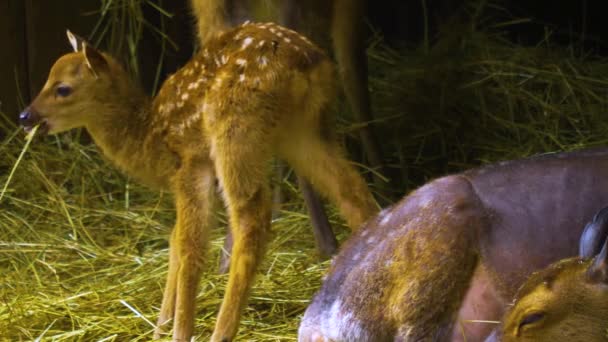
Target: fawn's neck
(123,131)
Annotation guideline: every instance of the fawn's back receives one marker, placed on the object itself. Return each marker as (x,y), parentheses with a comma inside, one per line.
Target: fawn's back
(273,67)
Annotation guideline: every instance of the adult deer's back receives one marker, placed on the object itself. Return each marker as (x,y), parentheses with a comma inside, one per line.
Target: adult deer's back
(457,249)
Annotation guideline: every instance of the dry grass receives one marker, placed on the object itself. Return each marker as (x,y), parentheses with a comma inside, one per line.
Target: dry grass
(83,251)
(83,255)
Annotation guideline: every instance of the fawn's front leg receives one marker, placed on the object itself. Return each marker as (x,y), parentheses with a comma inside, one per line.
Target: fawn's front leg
(194,190)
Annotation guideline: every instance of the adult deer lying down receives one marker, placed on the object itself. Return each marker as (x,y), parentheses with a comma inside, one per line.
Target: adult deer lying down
(253,92)
(568,301)
(457,249)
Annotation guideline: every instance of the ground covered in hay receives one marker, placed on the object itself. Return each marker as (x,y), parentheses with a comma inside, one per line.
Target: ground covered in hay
(83,251)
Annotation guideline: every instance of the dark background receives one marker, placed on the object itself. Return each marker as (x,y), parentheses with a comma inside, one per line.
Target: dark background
(32,33)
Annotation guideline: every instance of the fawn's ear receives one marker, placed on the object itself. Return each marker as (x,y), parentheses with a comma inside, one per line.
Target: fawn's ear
(95,60)
(594,235)
(76,41)
(598,271)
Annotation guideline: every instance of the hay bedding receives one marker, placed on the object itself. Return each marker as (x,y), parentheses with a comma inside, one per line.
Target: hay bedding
(83,252)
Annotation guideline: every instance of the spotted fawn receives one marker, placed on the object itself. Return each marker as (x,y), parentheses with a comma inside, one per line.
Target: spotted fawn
(251,93)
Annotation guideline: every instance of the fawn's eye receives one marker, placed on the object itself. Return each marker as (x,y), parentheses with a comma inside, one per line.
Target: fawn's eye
(531,318)
(63,90)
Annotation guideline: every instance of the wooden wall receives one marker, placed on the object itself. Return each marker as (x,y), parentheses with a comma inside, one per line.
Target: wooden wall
(32,34)
(32,37)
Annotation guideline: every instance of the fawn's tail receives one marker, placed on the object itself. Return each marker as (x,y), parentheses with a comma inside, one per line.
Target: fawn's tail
(211,18)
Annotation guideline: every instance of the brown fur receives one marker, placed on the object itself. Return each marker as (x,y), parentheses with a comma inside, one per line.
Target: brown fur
(457,249)
(251,93)
(335,25)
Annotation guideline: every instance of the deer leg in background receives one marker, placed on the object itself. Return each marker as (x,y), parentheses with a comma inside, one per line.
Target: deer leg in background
(349,50)
(327,245)
(326,242)
(344,19)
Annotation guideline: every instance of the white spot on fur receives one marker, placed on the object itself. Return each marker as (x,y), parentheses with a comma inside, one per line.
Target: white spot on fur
(287,40)
(273,30)
(192,119)
(297,48)
(185,96)
(364,233)
(357,256)
(279,34)
(224,59)
(371,239)
(242,77)
(261,43)
(180,104)
(246,42)
(241,62)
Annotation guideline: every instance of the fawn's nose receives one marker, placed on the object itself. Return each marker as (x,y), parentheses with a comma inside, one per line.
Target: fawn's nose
(25,117)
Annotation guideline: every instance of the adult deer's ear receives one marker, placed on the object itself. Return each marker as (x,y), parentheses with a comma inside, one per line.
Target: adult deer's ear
(598,271)
(76,41)
(594,235)
(95,60)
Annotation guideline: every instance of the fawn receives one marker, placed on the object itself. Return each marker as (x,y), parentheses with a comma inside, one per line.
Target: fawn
(457,249)
(566,301)
(336,25)
(252,92)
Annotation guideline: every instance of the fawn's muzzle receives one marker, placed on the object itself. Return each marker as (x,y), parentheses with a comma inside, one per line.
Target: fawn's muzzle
(29,118)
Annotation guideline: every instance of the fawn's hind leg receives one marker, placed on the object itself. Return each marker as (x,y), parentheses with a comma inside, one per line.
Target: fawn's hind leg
(321,161)
(241,151)
(325,239)
(194,190)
